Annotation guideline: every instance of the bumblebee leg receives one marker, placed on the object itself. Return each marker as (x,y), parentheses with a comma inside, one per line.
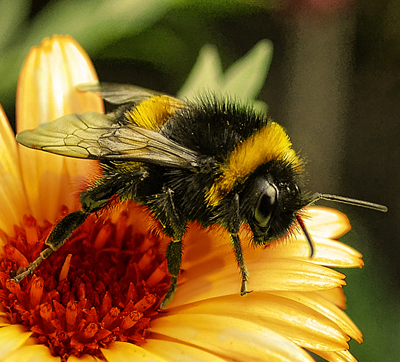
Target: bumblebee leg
(235,242)
(174,248)
(58,236)
(174,256)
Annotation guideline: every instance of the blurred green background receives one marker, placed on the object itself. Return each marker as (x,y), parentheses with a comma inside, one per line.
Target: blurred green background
(334,84)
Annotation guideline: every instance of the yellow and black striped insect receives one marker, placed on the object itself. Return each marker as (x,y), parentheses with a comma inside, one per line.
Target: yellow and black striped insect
(211,161)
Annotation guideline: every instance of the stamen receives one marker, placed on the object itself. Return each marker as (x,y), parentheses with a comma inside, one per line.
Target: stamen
(110,318)
(90,330)
(71,314)
(146,302)
(103,236)
(36,292)
(45,311)
(103,285)
(65,268)
(131,319)
(14,254)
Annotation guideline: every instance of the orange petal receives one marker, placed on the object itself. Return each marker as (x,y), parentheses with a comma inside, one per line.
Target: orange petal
(46,91)
(12,194)
(46,86)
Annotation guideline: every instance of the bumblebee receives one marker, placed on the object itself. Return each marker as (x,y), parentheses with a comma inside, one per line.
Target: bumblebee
(211,161)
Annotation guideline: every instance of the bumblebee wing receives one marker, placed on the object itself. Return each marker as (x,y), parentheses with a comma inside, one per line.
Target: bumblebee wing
(118,93)
(99,136)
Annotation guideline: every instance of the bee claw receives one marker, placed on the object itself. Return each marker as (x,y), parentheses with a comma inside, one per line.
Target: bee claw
(243,289)
(170,294)
(17,276)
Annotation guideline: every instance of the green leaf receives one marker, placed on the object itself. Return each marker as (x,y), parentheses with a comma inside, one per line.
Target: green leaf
(246,77)
(206,74)
(243,80)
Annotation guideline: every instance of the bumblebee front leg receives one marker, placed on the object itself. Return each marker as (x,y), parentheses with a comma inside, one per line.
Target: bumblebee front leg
(92,200)
(58,236)
(233,229)
(235,242)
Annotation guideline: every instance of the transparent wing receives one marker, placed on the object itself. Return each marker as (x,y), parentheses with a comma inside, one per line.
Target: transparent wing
(99,136)
(118,93)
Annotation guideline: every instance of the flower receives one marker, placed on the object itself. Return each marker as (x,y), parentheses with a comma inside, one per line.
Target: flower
(97,296)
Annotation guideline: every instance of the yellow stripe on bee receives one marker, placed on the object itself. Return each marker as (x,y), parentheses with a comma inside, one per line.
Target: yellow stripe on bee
(270,143)
(154,112)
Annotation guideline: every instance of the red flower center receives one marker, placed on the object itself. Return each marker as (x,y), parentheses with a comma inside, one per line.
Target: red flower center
(103,285)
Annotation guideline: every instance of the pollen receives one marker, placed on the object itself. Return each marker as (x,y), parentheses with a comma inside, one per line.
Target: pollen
(103,285)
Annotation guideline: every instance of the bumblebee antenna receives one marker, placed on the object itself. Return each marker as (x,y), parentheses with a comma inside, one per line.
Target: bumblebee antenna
(346,200)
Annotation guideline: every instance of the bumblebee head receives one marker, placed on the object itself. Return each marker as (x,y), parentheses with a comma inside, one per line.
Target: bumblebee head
(270,201)
(264,172)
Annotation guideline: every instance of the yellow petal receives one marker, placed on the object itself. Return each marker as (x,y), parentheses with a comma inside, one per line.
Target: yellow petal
(4,320)
(123,351)
(206,249)
(179,352)
(12,337)
(33,353)
(337,356)
(336,254)
(327,309)
(328,252)
(84,358)
(236,339)
(12,194)
(326,222)
(292,275)
(303,325)
(46,91)
(335,296)
(271,275)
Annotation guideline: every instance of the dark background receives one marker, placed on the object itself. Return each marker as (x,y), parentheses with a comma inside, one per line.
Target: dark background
(334,84)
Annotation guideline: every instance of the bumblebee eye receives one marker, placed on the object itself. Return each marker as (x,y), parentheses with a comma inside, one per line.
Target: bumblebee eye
(266,204)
